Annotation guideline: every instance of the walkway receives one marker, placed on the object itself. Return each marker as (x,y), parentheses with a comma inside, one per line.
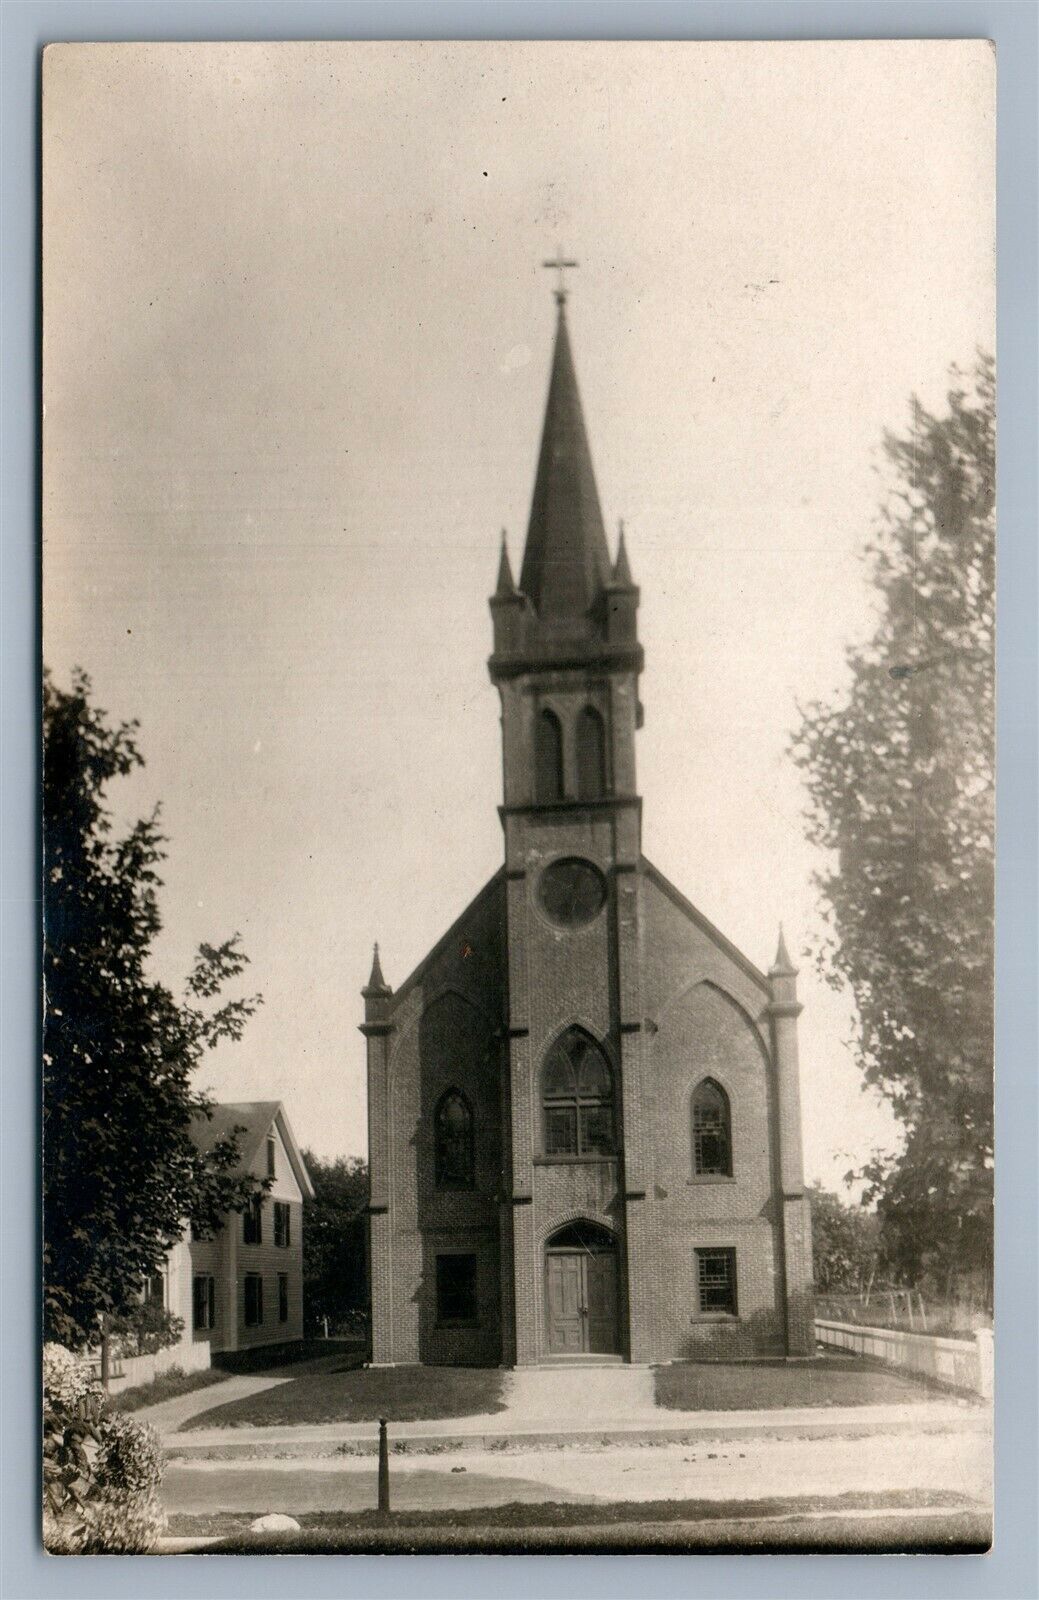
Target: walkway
(169,1415)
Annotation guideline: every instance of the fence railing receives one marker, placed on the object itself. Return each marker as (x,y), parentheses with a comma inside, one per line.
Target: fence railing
(961,1363)
(905,1309)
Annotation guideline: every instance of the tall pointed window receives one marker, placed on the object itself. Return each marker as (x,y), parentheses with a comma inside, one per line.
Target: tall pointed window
(453,1163)
(712,1131)
(577,1097)
(591,755)
(549,757)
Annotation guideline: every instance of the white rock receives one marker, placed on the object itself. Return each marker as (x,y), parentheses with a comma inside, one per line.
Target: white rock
(274,1522)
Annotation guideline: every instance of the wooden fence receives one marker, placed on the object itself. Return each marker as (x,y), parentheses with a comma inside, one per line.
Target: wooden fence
(959,1363)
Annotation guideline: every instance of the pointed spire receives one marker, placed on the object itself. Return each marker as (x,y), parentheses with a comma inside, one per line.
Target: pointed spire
(622,578)
(506,587)
(782,966)
(376,984)
(566,563)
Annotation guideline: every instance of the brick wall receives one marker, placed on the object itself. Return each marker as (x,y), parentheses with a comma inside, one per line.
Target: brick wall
(707,1018)
(670,1005)
(447,1033)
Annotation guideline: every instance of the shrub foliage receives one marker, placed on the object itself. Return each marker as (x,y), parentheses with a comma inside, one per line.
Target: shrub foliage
(101,1470)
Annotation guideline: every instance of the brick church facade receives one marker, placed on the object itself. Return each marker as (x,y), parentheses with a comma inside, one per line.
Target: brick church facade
(584,1117)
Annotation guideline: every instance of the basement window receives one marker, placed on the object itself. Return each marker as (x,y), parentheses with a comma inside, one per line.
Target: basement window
(716,1282)
(456,1291)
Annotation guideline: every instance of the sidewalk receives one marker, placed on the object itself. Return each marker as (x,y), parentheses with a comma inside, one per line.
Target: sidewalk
(502,1431)
(169,1415)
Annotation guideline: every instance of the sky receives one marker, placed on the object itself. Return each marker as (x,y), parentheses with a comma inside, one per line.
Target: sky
(296,349)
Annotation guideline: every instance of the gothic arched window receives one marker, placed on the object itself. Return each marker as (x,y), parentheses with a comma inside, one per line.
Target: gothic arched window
(549,757)
(712,1131)
(453,1142)
(577,1096)
(591,755)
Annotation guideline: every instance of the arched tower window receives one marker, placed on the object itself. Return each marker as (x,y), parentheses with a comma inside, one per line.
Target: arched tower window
(577,1097)
(591,755)
(453,1164)
(712,1131)
(549,757)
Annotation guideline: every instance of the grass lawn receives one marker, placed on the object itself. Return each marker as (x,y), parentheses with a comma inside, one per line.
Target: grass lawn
(658,1524)
(764,1385)
(167,1386)
(346,1394)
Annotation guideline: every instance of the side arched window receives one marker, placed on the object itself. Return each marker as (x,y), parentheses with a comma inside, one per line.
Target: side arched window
(712,1131)
(549,757)
(577,1097)
(453,1163)
(591,755)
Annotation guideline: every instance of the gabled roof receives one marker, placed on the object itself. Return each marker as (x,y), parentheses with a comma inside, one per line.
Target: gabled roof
(452,933)
(255,1118)
(566,564)
(677,898)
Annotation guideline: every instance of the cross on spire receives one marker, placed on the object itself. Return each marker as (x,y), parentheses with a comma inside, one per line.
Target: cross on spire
(560,265)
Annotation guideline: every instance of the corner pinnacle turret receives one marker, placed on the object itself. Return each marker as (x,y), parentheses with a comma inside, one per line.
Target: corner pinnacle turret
(376,987)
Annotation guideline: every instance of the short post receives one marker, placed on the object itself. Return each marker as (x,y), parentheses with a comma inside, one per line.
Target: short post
(384,1470)
(106,1351)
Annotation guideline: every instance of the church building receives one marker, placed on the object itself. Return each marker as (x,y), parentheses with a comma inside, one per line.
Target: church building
(584,1114)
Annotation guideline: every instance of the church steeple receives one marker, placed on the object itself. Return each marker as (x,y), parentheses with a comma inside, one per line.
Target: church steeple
(572,605)
(566,564)
(566,652)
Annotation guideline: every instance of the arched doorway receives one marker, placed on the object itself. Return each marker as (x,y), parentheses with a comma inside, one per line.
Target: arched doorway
(581,1302)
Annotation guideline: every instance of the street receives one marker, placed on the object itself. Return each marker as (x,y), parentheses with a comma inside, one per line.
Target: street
(957,1463)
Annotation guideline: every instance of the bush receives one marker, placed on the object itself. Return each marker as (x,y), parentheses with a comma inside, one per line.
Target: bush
(145,1330)
(101,1469)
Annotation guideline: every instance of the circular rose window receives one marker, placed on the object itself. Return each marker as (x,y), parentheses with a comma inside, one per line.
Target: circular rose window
(573,892)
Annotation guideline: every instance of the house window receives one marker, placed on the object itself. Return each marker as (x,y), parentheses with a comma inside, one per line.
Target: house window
(203,1302)
(253,1300)
(716,1282)
(155,1289)
(548,757)
(281,1224)
(577,1096)
(271,1153)
(456,1291)
(453,1142)
(283,1297)
(712,1133)
(252,1228)
(591,755)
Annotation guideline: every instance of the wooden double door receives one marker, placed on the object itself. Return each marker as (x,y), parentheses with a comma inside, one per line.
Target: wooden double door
(581,1301)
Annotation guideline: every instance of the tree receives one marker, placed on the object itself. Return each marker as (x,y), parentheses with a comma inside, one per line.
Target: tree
(334,1275)
(121,1173)
(846,1243)
(900,783)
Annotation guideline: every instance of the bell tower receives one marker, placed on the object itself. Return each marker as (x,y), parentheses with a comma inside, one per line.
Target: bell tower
(566,663)
(566,653)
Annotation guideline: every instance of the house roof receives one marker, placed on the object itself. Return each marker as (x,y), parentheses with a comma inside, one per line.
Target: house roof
(254,1118)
